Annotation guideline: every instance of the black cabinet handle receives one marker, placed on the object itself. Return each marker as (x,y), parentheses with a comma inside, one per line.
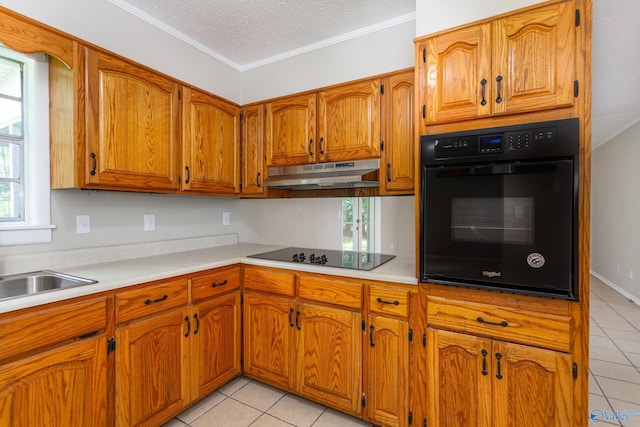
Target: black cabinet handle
(371,329)
(258,180)
(310,147)
(298,319)
(504,324)
(321,149)
(483,83)
(290,317)
(388,172)
(381,301)
(214,284)
(484,362)
(93,169)
(162,298)
(186,181)
(186,319)
(195,317)
(499,374)
(499,98)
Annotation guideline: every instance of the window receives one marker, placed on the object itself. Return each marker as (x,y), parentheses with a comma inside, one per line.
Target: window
(358,225)
(24,149)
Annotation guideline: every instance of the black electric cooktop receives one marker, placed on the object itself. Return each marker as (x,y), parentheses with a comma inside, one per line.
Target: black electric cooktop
(331,258)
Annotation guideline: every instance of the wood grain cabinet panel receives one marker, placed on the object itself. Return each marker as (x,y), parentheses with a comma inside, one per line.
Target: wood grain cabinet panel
(210,144)
(150,300)
(132,126)
(290,135)
(521,62)
(253,157)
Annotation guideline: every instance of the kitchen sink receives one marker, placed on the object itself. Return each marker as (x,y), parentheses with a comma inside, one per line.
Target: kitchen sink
(38,281)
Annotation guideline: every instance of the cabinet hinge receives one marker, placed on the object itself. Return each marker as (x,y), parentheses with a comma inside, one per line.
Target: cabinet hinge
(410,335)
(241,299)
(424,55)
(241,116)
(410,418)
(424,422)
(424,111)
(364,400)
(424,339)
(179,94)
(111,345)
(576,88)
(381,145)
(364,325)
(381,89)
(575,371)
(577,17)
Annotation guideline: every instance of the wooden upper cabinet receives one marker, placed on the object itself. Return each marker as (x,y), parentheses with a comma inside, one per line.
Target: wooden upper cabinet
(291,131)
(132,126)
(349,122)
(397,119)
(518,63)
(534,53)
(210,144)
(458,67)
(253,167)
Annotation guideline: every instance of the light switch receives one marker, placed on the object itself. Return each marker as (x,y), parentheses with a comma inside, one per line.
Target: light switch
(83,224)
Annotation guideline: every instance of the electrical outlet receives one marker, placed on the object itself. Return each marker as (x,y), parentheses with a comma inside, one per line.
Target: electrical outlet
(226,218)
(149,222)
(83,224)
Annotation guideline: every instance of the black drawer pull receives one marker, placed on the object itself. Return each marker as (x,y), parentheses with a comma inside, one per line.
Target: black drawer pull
(197,319)
(290,318)
(88,335)
(484,362)
(499,374)
(504,324)
(186,319)
(94,165)
(149,301)
(298,320)
(381,301)
(214,284)
(371,342)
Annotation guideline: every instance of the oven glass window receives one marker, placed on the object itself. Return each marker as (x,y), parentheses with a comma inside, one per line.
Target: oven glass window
(505,220)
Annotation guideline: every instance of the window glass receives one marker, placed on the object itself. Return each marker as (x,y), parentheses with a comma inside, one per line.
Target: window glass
(357,224)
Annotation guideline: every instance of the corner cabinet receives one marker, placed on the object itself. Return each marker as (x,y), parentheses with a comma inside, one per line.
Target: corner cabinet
(210,144)
(517,63)
(253,158)
(133,126)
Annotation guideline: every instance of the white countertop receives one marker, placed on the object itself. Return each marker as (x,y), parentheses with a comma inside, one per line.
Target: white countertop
(119,274)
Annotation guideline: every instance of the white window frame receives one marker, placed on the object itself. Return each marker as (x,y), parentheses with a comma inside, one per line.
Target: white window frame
(36,225)
(373,241)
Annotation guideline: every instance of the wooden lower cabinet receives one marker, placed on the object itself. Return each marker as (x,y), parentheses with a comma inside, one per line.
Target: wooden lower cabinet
(387,352)
(65,386)
(475,381)
(152,368)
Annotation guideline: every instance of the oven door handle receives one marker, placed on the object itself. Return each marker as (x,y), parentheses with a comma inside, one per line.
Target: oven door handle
(501,169)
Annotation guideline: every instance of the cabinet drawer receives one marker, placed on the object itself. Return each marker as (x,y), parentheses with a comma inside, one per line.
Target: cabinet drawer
(331,291)
(151,299)
(216,282)
(21,333)
(273,281)
(387,300)
(521,326)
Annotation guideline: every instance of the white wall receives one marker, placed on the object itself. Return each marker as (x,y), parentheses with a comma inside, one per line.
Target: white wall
(615,203)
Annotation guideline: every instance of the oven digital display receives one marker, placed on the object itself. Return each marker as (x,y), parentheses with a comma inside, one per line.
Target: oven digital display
(490,144)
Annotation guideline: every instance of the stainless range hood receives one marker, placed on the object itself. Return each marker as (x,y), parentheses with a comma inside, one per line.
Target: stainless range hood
(358,173)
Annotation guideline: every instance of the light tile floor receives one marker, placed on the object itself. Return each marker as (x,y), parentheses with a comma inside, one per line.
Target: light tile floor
(614,381)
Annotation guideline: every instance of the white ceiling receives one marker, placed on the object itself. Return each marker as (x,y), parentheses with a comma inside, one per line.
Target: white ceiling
(249,33)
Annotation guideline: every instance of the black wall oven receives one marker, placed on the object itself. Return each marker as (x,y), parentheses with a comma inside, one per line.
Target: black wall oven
(499,208)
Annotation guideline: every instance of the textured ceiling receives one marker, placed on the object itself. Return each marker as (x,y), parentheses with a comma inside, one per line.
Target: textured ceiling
(248,33)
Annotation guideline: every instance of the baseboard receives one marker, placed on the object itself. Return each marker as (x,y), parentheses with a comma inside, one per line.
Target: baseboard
(617,288)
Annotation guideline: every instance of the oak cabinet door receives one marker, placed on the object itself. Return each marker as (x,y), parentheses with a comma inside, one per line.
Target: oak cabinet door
(210,144)
(459,380)
(152,368)
(532,386)
(534,56)
(349,122)
(216,351)
(397,167)
(132,126)
(253,171)
(458,81)
(66,386)
(388,371)
(268,340)
(291,131)
(329,356)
